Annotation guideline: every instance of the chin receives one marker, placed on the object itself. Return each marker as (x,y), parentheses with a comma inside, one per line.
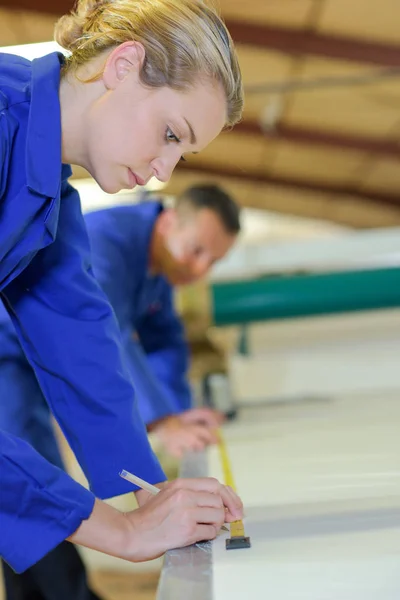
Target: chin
(107,185)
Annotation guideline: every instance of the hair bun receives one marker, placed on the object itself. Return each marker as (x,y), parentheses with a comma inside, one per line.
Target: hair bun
(71,27)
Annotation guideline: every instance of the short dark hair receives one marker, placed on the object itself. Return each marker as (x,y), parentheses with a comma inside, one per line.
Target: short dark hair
(216,199)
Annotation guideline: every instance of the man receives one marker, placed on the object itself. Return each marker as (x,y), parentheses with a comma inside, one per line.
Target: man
(139,253)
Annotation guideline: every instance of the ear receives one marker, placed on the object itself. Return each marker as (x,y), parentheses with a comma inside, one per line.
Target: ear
(121,62)
(167,219)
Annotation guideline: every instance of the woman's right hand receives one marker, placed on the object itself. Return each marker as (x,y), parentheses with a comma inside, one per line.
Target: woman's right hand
(186,511)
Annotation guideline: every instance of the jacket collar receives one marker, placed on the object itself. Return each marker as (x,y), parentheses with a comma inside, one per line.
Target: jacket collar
(43,145)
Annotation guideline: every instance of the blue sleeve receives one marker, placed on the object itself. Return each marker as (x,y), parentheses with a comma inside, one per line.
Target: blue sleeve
(40,505)
(112,272)
(71,338)
(111,268)
(163,339)
(154,403)
(6,134)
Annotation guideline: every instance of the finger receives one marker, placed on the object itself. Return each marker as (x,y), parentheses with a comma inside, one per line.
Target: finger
(195,445)
(188,498)
(229,498)
(192,441)
(210,516)
(198,484)
(210,500)
(237,512)
(217,416)
(142,496)
(199,445)
(233,504)
(235,496)
(207,436)
(211,417)
(203,533)
(181,441)
(200,415)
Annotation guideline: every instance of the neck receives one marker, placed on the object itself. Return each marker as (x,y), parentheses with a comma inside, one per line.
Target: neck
(73,150)
(76,99)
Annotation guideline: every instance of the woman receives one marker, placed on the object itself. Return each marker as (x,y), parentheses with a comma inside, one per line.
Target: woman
(146,82)
(40,506)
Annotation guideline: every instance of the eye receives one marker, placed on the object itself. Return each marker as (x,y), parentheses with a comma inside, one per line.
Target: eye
(171,137)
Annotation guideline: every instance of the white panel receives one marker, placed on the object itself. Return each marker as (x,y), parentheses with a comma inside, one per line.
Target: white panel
(338,250)
(323,356)
(321,486)
(32,51)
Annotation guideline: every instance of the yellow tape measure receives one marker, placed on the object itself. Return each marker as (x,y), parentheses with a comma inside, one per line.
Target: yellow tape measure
(238,537)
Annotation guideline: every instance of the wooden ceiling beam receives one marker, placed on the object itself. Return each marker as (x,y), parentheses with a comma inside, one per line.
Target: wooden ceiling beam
(329,189)
(58,8)
(343,210)
(319,137)
(299,42)
(296,42)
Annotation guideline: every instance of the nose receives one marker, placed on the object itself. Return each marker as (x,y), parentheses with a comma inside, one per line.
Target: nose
(201,266)
(164,166)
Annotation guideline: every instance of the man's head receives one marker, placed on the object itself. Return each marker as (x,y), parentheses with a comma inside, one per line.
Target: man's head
(196,233)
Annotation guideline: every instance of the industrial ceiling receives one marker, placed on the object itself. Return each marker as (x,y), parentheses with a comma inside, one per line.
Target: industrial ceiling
(321,130)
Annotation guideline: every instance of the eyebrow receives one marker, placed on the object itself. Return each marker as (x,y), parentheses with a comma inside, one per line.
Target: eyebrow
(193,139)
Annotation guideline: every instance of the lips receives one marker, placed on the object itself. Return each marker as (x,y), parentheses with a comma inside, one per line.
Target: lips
(140,180)
(135,179)
(133,182)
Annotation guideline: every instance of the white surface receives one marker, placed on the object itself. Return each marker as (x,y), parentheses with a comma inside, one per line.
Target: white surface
(31,51)
(337,354)
(321,488)
(335,250)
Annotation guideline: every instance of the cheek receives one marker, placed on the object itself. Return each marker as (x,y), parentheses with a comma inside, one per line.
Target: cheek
(122,135)
(108,135)
(123,140)
(142,136)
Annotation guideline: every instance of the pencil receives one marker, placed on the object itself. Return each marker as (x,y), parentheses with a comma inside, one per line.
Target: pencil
(145,486)
(139,482)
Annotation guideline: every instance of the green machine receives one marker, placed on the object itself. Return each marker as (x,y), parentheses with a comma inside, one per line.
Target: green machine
(286,296)
(303,295)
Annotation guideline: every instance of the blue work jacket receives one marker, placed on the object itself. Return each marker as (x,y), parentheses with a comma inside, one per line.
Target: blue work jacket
(40,505)
(153,335)
(63,320)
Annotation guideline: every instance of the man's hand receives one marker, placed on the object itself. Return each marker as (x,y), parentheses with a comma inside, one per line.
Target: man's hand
(178,436)
(204,416)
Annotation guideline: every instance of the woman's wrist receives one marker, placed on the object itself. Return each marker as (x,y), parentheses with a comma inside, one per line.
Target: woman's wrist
(106,530)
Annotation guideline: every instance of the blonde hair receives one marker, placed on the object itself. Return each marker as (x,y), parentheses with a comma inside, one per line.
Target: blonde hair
(183,40)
